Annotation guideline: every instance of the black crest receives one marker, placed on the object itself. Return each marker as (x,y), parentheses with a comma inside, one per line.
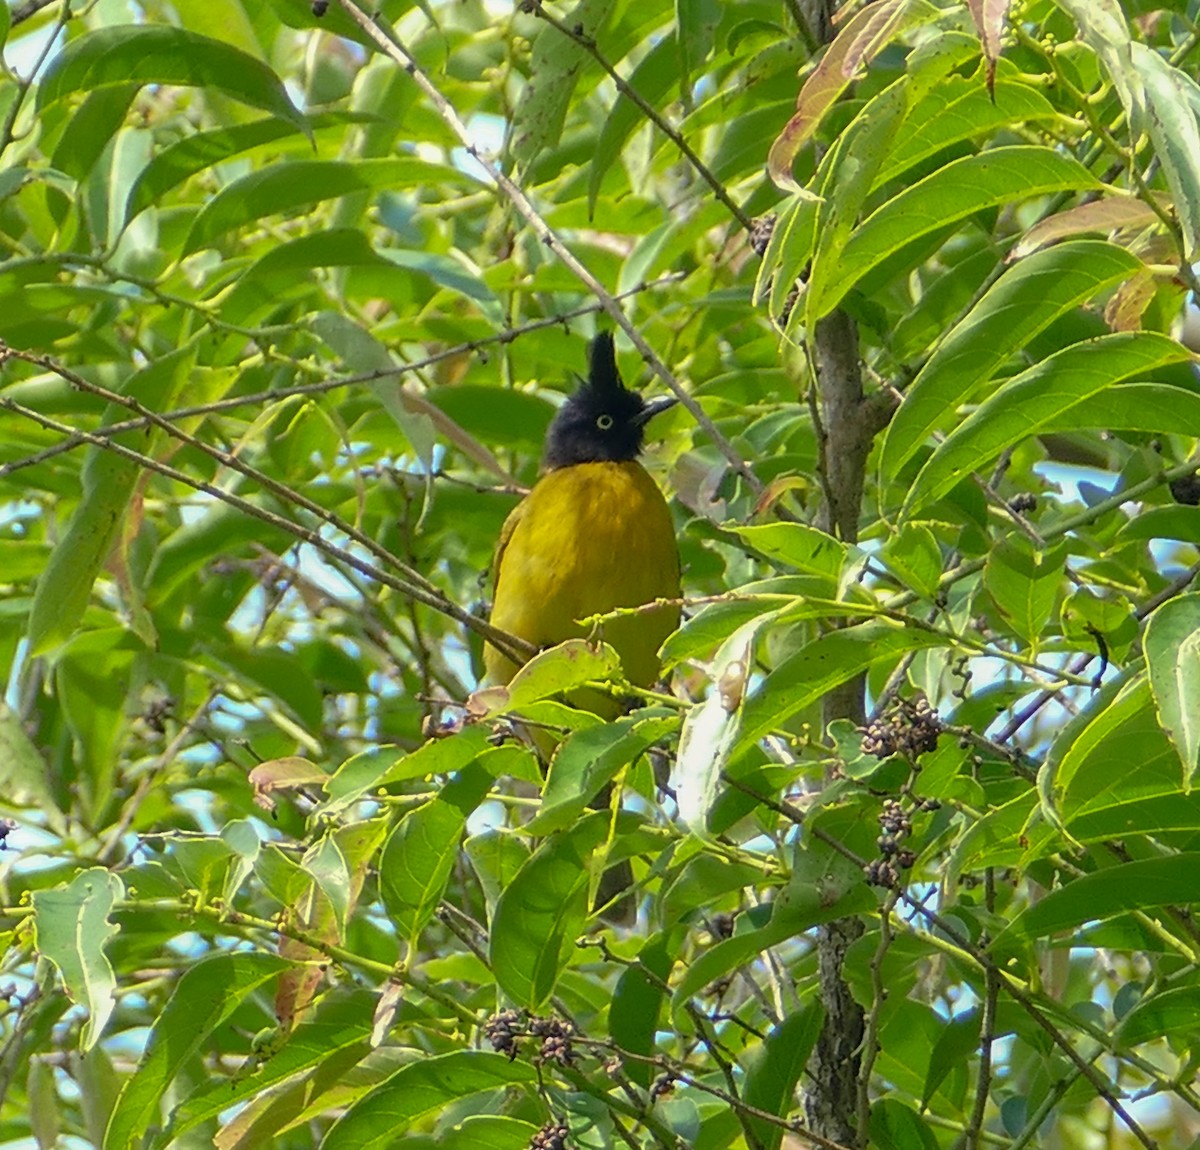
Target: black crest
(603,421)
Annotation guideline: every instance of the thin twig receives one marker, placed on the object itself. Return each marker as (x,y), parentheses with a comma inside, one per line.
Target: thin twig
(395,49)
(434,599)
(870,1042)
(723,1064)
(228,459)
(1008,983)
(589,45)
(256,399)
(28,10)
(1176,587)
(23,85)
(151,776)
(987,1038)
(733,1101)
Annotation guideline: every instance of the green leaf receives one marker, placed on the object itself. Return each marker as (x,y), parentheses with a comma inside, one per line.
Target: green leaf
(285,270)
(653,76)
(1086,784)
(952,193)
(726,956)
(824,883)
(65,587)
(1166,1012)
(41,1095)
(1049,394)
(540,915)
(1024,581)
(554,68)
(92,128)
(586,761)
(797,545)
(183,555)
(24,775)
(206,995)
(340,1022)
(421,1088)
(71,927)
(1142,885)
(384,766)
(198,151)
(298,184)
(776,1067)
(704,879)
(896,1126)
(91,676)
(1023,302)
(1177,522)
(817,668)
(420,852)
(159,54)
(562,668)
(325,864)
(1172,105)
(958,1042)
(496,856)
(488,1132)
(1172,647)
(790,248)
(242,838)
(914,556)
(844,182)
(274,671)
(633,1018)
(1152,407)
(824,886)
(959,108)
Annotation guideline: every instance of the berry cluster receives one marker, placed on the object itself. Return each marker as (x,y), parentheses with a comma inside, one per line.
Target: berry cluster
(906,728)
(1186,489)
(502,1033)
(1023,501)
(761,232)
(663,1085)
(895,826)
(504,1029)
(720,926)
(556,1035)
(552,1136)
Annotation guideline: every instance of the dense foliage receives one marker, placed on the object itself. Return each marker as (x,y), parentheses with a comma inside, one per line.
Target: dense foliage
(288,295)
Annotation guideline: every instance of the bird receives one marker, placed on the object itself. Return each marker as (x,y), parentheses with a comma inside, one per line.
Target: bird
(594,534)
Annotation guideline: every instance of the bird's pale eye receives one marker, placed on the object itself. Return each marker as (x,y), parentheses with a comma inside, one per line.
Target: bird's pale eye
(604,422)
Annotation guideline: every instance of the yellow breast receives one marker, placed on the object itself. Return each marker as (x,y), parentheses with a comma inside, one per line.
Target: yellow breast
(587,539)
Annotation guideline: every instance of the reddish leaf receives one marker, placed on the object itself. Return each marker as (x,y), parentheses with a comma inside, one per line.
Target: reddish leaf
(1107,215)
(989,17)
(866,34)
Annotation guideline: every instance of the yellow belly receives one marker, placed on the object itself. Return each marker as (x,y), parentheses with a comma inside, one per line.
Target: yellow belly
(587,539)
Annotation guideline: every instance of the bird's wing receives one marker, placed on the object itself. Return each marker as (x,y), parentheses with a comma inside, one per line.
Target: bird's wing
(510,525)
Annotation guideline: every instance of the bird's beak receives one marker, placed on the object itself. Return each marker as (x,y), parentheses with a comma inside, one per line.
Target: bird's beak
(653,408)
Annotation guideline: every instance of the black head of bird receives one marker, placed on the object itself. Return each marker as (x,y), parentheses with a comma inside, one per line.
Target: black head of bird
(603,421)
(593,535)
